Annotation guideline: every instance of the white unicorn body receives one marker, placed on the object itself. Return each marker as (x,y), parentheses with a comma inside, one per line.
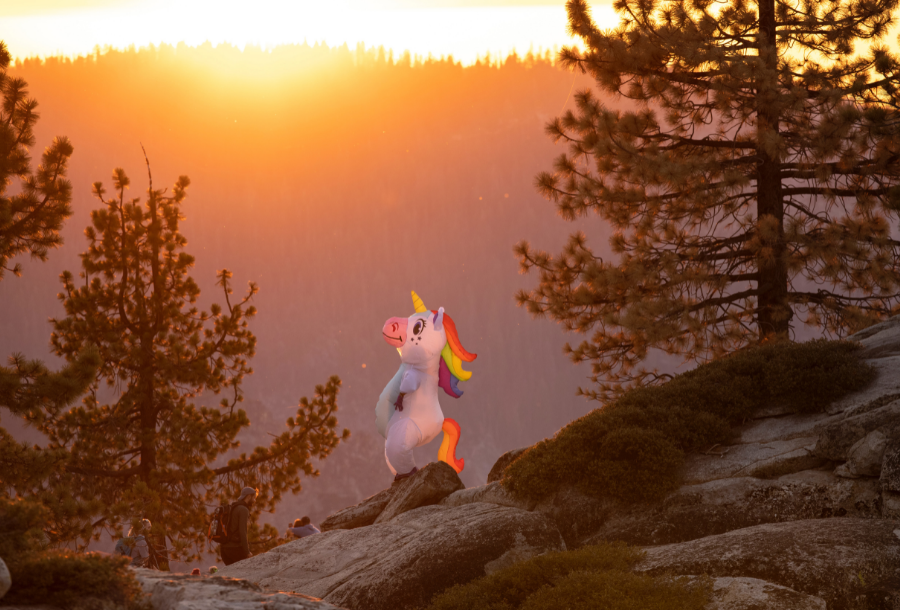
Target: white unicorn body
(408,413)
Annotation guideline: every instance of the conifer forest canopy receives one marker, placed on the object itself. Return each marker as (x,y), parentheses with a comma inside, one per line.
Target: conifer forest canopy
(270,200)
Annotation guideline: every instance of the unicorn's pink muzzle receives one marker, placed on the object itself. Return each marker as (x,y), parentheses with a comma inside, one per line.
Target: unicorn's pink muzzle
(394,331)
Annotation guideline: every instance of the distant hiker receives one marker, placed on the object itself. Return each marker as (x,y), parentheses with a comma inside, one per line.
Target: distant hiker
(135,544)
(234,545)
(303,528)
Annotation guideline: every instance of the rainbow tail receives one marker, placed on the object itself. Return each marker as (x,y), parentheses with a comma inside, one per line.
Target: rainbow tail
(447,452)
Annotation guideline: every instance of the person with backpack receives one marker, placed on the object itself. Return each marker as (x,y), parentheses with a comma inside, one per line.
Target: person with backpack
(303,528)
(234,545)
(135,545)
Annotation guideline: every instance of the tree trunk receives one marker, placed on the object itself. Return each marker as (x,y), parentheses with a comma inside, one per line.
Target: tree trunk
(773,312)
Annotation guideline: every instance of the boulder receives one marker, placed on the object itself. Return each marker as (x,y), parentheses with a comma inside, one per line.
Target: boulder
(183,592)
(846,562)
(865,457)
(360,515)
(730,593)
(492,493)
(836,438)
(764,459)
(401,564)
(428,486)
(716,507)
(890,466)
(502,462)
(5,578)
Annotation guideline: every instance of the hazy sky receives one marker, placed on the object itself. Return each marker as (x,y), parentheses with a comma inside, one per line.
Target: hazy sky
(464,28)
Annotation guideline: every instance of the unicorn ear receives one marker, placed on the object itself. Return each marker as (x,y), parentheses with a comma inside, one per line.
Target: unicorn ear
(439,319)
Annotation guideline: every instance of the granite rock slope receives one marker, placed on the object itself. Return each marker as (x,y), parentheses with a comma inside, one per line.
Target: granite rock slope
(850,563)
(402,563)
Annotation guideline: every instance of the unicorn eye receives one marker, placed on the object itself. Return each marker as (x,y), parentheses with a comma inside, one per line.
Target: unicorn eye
(419,327)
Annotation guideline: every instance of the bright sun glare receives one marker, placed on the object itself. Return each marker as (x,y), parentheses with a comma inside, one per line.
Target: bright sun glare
(466,30)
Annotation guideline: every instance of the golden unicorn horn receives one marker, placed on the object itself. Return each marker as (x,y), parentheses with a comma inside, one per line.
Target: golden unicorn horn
(418,305)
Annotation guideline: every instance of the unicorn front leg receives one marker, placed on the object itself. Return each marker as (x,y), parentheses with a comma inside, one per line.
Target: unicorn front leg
(409,383)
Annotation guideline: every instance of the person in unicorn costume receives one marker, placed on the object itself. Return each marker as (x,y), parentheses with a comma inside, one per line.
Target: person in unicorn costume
(408,413)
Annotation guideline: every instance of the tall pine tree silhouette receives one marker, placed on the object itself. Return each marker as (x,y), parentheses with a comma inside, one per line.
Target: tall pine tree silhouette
(32,212)
(751,179)
(148,451)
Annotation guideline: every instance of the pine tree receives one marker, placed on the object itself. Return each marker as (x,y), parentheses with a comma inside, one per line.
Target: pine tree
(30,221)
(749,170)
(150,451)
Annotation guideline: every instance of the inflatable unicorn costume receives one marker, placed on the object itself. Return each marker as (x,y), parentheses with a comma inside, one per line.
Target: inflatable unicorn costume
(408,413)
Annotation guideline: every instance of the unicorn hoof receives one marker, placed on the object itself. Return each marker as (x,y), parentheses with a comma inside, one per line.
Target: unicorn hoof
(400,477)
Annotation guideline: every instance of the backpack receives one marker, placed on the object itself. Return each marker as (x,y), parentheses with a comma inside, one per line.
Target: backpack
(122,548)
(218,527)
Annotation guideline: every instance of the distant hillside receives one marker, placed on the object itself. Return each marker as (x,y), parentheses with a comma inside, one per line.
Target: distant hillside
(339,181)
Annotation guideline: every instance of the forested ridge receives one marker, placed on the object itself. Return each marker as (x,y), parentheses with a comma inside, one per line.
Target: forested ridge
(337,180)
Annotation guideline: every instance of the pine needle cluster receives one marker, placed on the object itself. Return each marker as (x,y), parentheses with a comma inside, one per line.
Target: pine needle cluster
(748,164)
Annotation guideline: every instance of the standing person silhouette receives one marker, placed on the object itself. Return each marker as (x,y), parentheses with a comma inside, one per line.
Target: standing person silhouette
(237,547)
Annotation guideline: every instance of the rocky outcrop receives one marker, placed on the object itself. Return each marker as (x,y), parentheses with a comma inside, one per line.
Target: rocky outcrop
(716,507)
(846,562)
(502,462)
(729,593)
(836,438)
(864,458)
(492,493)
(762,459)
(428,486)
(879,340)
(182,592)
(360,515)
(794,512)
(404,562)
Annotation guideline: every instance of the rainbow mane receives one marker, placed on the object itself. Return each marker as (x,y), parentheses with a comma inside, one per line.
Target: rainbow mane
(452,356)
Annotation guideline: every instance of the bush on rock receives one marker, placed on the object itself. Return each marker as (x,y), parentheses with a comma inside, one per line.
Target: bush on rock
(590,577)
(68,580)
(633,448)
(60,578)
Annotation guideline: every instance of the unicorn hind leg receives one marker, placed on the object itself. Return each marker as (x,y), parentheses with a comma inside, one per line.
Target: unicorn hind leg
(447,452)
(403,435)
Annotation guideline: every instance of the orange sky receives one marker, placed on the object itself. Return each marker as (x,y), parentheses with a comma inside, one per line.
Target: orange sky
(466,29)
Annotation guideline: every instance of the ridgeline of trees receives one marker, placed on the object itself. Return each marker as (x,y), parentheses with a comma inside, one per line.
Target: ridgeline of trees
(132,324)
(318,151)
(753,185)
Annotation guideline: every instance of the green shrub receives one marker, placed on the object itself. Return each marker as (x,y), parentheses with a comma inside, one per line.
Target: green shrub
(632,449)
(590,577)
(619,591)
(68,580)
(508,588)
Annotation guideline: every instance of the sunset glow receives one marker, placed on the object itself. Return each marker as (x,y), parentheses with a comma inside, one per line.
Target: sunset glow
(466,30)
